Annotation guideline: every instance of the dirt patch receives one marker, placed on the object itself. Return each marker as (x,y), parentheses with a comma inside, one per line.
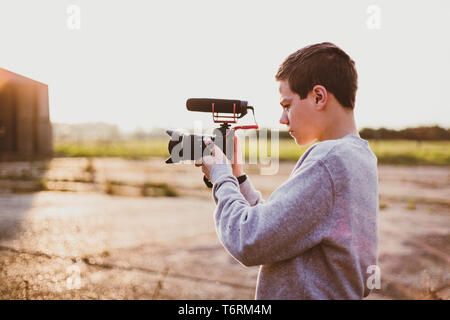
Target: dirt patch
(132,242)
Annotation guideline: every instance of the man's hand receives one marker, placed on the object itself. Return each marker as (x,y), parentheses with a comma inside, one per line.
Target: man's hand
(237,166)
(217,157)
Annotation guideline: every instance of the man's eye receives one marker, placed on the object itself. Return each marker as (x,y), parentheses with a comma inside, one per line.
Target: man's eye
(286,107)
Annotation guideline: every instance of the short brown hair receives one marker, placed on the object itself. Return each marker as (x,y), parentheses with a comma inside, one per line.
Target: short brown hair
(321,64)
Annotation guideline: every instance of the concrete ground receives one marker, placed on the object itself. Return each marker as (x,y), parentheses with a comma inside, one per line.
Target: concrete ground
(91,234)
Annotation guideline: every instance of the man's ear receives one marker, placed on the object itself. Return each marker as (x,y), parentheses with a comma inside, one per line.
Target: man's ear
(320,96)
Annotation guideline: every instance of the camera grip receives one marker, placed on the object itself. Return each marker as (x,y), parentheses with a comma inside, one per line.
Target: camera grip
(207,182)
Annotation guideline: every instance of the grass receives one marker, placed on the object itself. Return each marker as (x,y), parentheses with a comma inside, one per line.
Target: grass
(89,168)
(408,152)
(125,149)
(154,189)
(402,152)
(37,185)
(109,189)
(148,189)
(411,205)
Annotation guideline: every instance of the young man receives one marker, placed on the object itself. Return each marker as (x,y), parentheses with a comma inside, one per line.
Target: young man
(316,235)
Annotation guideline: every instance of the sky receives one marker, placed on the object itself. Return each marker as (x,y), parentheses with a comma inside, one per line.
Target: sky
(135,63)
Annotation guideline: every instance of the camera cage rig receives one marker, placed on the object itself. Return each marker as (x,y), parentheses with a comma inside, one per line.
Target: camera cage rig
(224,129)
(226,124)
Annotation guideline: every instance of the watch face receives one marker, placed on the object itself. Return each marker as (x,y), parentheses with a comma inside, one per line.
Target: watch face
(242,178)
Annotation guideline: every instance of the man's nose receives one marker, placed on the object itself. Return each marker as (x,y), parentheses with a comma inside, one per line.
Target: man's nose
(284,119)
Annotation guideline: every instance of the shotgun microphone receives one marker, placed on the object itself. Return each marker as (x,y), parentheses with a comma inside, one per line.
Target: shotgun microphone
(237,107)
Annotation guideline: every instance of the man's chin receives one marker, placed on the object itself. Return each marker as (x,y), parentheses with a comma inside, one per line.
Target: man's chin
(302,141)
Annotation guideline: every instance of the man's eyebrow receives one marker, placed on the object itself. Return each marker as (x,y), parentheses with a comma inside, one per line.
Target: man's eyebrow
(283,101)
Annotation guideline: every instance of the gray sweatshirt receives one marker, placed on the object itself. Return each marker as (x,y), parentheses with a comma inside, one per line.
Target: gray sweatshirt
(316,235)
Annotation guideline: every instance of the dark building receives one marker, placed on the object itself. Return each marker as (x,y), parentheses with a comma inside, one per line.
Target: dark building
(25,129)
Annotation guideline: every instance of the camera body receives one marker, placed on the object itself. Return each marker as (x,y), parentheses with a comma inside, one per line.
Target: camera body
(191,147)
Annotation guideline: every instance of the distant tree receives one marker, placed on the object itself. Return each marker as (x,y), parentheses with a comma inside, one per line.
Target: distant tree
(417,133)
(86,131)
(139,134)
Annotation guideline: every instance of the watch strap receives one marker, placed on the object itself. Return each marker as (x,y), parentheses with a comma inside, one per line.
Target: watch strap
(242,178)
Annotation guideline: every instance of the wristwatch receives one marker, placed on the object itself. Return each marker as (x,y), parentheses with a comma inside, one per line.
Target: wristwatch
(242,178)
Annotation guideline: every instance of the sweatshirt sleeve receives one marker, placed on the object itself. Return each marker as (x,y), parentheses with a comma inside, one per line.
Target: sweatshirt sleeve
(295,218)
(250,193)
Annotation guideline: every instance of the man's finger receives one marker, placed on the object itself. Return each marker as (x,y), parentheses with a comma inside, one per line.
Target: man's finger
(237,151)
(208,160)
(209,145)
(198,162)
(205,172)
(207,140)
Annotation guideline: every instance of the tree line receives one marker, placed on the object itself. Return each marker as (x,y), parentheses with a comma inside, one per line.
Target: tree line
(417,133)
(434,133)
(105,131)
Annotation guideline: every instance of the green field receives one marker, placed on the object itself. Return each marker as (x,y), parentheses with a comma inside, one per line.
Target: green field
(403,152)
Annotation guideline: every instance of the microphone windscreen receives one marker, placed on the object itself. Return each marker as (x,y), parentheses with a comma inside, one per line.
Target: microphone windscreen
(220,105)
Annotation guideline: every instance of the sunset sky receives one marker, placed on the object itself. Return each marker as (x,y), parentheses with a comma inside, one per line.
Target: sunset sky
(134,63)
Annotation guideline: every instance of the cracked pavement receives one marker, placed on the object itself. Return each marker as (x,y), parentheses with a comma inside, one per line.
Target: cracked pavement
(90,245)
(61,245)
